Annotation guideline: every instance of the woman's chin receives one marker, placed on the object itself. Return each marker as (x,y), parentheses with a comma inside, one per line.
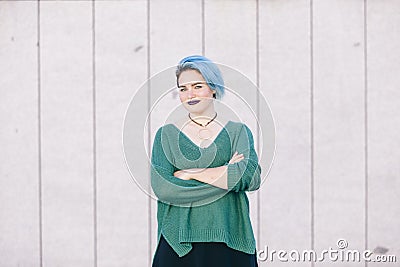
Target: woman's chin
(198,107)
(192,109)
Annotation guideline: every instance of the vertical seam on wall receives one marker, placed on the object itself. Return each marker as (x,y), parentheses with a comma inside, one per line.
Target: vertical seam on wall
(203,31)
(258,108)
(94,132)
(366,125)
(39,139)
(149,210)
(312,126)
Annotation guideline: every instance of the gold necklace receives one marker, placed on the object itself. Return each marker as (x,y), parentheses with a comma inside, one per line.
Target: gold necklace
(204,134)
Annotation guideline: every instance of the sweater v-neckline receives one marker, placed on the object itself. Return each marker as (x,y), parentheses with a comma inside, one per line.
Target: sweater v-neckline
(196,145)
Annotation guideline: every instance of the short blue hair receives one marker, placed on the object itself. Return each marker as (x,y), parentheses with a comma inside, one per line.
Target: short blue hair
(208,69)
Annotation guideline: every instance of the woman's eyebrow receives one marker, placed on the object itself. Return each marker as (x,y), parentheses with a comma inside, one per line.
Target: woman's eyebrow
(192,83)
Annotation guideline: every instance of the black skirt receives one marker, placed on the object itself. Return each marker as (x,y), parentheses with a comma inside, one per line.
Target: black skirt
(203,254)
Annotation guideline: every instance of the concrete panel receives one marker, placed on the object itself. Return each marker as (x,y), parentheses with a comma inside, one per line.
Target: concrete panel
(67,133)
(285,81)
(19,157)
(175,32)
(230,34)
(121,67)
(230,39)
(383,19)
(339,126)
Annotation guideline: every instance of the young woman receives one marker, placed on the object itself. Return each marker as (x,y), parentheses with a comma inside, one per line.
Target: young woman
(201,168)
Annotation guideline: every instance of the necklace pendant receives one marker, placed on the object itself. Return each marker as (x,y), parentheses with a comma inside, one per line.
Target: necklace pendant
(205,134)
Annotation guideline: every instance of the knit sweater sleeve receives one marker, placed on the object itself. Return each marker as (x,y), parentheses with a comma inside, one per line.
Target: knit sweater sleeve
(172,190)
(244,175)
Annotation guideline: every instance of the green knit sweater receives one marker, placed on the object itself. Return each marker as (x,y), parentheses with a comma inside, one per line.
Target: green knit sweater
(192,211)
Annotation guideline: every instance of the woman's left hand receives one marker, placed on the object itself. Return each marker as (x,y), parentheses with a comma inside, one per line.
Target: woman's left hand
(182,174)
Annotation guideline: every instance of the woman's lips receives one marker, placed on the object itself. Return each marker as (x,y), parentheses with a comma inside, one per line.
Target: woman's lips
(193,102)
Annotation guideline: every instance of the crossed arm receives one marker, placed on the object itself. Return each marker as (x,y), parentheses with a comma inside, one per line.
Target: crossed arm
(188,186)
(217,176)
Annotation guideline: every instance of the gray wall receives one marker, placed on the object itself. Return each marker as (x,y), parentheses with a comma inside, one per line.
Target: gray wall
(329,69)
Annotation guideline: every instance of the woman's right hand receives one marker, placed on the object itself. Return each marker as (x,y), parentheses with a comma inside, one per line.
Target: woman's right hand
(236,158)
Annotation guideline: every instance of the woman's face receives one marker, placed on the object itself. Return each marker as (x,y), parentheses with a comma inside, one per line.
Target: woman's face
(194,92)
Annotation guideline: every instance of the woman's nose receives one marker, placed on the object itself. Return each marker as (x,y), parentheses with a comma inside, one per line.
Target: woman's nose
(190,93)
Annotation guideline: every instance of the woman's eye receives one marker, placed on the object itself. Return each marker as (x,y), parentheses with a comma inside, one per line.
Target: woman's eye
(198,87)
(182,89)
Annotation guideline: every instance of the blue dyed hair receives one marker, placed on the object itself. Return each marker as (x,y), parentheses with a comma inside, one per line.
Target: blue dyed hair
(208,69)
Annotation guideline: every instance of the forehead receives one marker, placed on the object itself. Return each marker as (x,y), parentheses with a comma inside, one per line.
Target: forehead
(190,77)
